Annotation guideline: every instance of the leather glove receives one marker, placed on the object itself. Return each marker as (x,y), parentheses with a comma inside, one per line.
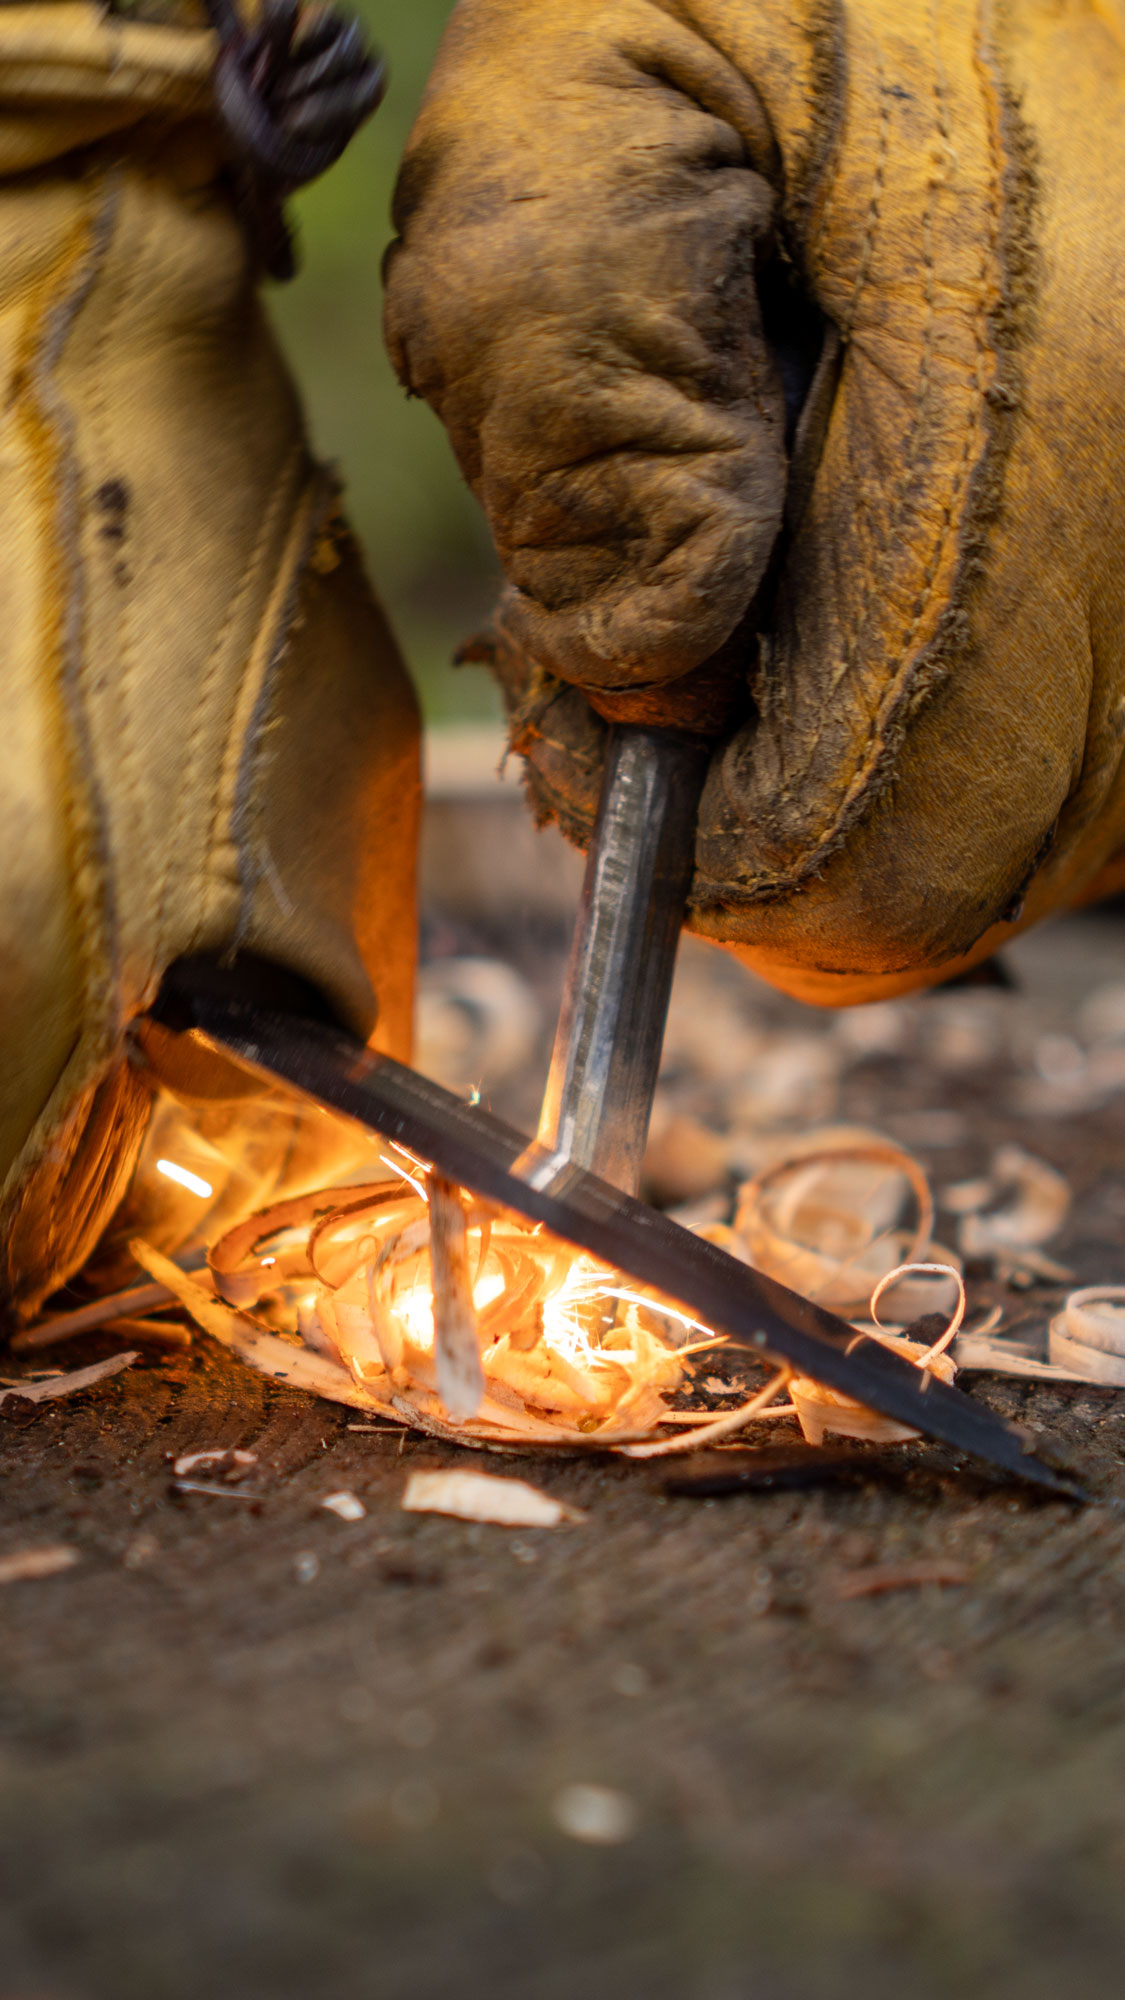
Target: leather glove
(784,344)
(210,746)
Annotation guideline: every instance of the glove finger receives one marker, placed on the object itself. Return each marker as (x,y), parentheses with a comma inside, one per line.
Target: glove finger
(575,291)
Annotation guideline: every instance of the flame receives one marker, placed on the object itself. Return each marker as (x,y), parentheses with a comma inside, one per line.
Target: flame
(561,1342)
(532,1342)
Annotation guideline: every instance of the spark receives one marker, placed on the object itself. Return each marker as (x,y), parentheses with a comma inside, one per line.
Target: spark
(417,1185)
(656,1305)
(192,1182)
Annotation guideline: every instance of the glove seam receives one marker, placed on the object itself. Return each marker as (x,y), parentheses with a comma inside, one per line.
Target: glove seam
(316,501)
(96,912)
(211,674)
(129,757)
(917,680)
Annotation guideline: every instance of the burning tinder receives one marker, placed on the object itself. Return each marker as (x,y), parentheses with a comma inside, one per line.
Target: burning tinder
(420,1303)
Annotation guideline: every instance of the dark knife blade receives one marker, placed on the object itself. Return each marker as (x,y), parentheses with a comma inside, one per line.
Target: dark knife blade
(472,1147)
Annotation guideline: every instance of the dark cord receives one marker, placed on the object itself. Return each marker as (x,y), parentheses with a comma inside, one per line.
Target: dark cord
(291,91)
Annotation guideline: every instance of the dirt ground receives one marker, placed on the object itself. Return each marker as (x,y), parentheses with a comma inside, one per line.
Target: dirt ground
(249,1749)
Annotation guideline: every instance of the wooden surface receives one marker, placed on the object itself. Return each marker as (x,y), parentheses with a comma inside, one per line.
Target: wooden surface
(248,1749)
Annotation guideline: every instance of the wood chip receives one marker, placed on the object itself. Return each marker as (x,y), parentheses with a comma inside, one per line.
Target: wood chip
(219,1458)
(881,1577)
(154,1332)
(346,1505)
(24,1564)
(99,1312)
(460,1377)
(481,1496)
(69,1385)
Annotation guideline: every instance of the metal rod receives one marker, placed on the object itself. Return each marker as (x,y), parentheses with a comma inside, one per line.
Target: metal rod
(606,1057)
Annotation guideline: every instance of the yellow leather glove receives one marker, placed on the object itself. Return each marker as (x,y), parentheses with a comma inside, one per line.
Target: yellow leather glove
(209,743)
(620,223)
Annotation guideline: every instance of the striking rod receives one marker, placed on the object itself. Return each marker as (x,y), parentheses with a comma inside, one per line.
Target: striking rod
(606,1056)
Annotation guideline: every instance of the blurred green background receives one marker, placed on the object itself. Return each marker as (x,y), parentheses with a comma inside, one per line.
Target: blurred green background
(427,547)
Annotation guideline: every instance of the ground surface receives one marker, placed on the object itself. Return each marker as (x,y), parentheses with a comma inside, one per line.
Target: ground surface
(249,1749)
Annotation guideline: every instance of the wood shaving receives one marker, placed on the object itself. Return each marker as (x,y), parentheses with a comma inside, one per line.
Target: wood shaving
(154,1332)
(99,1312)
(24,1565)
(980,1354)
(480,1496)
(879,1578)
(826,1218)
(1088,1336)
(1034,1200)
(44,1391)
(284,1360)
(821,1410)
(219,1458)
(531,1343)
(460,1377)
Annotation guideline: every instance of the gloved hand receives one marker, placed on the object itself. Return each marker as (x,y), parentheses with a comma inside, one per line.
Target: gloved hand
(761,317)
(209,742)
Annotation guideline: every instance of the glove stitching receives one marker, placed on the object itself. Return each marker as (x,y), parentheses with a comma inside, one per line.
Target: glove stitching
(874,206)
(210,675)
(989,259)
(890,537)
(316,501)
(58,1131)
(132,789)
(902,697)
(83,804)
(903,700)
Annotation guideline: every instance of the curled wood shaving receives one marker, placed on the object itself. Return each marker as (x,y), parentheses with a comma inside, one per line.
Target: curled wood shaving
(821,1409)
(826,1218)
(218,1458)
(426,1306)
(256,1344)
(423,1304)
(1088,1336)
(1034,1203)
